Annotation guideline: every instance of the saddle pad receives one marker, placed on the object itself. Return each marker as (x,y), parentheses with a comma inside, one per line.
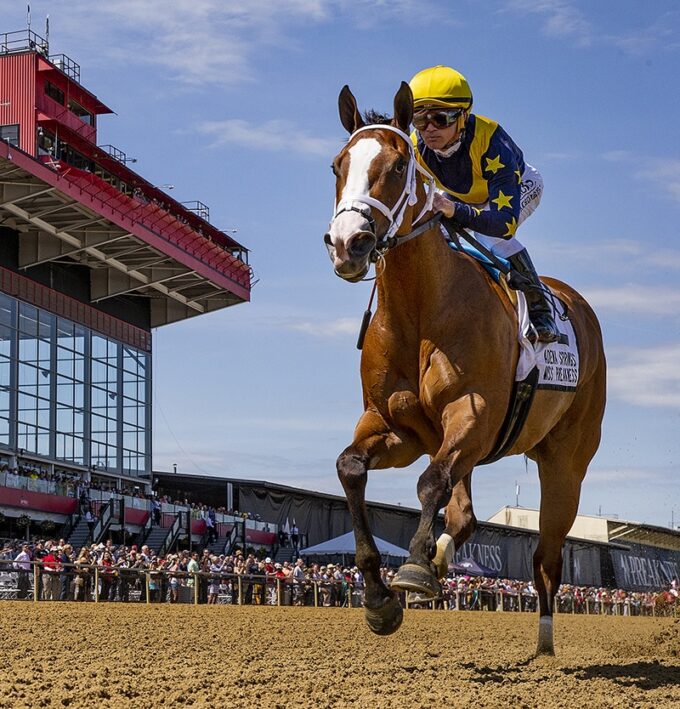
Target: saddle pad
(557,362)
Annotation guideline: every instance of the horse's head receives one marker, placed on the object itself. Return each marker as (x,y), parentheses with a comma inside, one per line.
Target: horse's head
(375,183)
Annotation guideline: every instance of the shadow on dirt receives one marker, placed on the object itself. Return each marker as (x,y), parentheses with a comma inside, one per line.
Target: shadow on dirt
(644,675)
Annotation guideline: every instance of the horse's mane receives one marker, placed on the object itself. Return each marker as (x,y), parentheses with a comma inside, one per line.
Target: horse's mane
(373,118)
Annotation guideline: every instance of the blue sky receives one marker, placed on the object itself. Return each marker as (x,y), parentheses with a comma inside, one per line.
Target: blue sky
(235,104)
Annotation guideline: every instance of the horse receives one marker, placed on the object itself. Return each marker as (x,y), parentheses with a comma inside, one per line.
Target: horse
(437,370)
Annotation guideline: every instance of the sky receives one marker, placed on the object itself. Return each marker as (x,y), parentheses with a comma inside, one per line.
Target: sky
(235,104)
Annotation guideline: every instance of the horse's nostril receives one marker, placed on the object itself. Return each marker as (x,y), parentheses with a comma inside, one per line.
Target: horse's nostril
(327,239)
(361,245)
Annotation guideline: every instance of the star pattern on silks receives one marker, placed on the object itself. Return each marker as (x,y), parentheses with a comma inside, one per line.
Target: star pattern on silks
(512,227)
(519,177)
(493,164)
(503,200)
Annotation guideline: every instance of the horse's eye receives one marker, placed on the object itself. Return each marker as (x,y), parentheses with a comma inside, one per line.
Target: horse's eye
(400,167)
(333,170)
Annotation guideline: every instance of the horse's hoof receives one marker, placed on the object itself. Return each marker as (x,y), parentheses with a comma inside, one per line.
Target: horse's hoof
(412,577)
(385,619)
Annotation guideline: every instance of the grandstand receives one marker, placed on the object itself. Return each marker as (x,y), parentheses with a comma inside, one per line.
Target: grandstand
(92,257)
(501,544)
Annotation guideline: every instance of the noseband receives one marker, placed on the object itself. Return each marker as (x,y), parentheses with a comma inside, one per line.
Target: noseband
(362,203)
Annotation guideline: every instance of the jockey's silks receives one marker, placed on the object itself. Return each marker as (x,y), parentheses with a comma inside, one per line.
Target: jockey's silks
(483,176)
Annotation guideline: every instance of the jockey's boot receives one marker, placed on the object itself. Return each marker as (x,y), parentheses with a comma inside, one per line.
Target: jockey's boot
(540,312)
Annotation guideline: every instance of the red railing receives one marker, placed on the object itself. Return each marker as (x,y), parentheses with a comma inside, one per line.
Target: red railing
(155,218)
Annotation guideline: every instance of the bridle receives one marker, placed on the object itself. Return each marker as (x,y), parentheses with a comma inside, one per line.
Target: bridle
(362,203)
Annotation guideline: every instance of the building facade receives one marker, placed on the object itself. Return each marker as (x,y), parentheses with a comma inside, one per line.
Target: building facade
(92,258)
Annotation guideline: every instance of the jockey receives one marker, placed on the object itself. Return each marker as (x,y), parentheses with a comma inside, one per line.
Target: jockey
(480,175)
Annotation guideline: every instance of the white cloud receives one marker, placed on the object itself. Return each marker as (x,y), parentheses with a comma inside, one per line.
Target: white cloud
(273,136)
(635,299)
(648,377)
(560,18)
(210,42)
(664,173)
(328,329)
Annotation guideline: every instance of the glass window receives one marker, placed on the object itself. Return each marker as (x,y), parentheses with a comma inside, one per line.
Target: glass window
(54,92)
(4,431)
(28,319)
(43,443)
(84,115)
(98,347)
(28,349)
(4,373)
(28,377)
(10,134)
(6,337)
(50,416)
(6,310)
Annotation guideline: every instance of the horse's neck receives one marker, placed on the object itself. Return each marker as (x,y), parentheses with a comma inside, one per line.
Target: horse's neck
(424,283)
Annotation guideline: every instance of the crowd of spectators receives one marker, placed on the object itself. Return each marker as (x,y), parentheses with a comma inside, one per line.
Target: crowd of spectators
(123,574)
(70,484)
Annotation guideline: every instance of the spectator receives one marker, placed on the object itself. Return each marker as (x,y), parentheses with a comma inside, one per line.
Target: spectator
(193,568)
(22,563)
(295,539)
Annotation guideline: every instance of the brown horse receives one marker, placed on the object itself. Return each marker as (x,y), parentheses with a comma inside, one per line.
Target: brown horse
(437,372)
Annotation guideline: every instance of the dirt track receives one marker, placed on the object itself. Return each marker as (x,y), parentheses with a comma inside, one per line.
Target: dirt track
(66,654)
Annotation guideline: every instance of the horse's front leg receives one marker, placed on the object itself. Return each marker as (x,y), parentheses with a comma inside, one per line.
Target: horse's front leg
(373,447)
(466,438)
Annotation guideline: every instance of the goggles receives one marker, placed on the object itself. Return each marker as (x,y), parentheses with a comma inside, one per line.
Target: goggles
(439,118)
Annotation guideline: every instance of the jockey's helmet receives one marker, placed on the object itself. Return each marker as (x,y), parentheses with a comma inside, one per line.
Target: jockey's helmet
(441,86)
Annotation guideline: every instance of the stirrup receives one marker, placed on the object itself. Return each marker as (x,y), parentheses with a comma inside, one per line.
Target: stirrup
(545,331)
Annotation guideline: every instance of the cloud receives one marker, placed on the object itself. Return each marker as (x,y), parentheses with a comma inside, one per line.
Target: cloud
(664,173)
(647,377)
(211,42)
(563,19)
(328,329)
(271,136)
(660,36)
(560,18)
(635,299)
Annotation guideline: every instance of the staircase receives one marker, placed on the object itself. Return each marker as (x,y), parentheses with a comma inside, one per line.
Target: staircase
(80,535)
(155,538)
(217,547)
(284,554)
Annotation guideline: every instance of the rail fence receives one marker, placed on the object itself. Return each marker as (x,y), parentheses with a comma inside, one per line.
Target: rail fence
(93,583)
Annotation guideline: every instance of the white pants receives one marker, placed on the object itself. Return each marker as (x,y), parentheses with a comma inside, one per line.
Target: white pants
(531,191)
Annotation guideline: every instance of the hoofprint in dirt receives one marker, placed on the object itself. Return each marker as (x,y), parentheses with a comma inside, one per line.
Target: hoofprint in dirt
(84,655)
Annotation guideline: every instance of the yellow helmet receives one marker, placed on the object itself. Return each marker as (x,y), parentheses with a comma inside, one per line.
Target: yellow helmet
(441,86)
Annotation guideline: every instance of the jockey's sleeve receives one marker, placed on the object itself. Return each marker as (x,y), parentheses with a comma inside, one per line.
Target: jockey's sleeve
(502,167)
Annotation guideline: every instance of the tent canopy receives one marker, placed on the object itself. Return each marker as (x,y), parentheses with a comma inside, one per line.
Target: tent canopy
(471,567)
(345,544)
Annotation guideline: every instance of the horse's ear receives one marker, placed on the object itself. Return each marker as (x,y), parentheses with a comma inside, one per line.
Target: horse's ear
(403,107)
(349,113)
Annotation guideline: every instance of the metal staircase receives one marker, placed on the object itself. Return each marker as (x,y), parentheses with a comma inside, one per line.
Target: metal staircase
(106,518)
(79,535)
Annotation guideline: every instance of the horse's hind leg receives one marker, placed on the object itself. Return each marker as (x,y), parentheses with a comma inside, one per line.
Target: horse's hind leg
(379,449)
(563,458)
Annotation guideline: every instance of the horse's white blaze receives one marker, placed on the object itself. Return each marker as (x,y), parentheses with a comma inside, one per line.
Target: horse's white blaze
(361,155)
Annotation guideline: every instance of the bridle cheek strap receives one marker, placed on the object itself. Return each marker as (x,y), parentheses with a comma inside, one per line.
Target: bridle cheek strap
(408,197)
